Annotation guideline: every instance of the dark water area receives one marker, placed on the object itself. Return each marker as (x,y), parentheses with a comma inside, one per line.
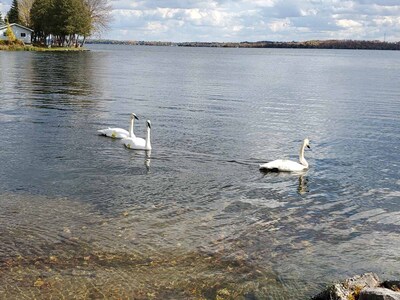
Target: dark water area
(195,218)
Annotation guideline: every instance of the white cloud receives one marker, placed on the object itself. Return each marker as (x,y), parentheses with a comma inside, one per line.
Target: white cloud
(156,26)
(386,21)
(4,7)
(348,23)
(251,20)
(279,25)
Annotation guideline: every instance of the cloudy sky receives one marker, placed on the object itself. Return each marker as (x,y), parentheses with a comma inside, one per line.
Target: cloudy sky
(251,20)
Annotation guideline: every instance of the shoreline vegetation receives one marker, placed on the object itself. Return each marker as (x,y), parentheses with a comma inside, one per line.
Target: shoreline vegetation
(20,46)
(312,44)
(40,49)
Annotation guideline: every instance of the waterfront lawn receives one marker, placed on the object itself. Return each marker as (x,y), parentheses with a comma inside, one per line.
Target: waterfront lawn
(18,46)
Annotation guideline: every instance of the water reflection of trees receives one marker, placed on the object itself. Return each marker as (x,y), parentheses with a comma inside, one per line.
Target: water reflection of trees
(58,78)
(50,80)
(57,104)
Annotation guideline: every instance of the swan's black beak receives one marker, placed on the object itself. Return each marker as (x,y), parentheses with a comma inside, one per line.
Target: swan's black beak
(308,146)
(136,117)
(148,124)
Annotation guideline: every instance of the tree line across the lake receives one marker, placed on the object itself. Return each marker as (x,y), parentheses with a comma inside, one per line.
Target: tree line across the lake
(60,22)
(317,44)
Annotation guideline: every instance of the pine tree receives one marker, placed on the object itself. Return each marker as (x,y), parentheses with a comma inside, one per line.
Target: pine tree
(42,19)
(73,18)
(13,14)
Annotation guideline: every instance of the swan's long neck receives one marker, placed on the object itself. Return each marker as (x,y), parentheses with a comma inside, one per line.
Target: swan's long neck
(131,134)
(148,144)
(301,156)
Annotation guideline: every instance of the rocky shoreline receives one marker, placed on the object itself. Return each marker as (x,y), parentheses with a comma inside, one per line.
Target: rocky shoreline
(361,287)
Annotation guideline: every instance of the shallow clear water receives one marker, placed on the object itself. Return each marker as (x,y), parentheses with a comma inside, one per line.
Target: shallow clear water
(198,196)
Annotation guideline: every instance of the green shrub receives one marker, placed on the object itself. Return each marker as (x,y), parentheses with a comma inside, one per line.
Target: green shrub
(10,34)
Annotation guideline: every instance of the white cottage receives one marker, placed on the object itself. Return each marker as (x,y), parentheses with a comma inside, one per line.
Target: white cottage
(21,32)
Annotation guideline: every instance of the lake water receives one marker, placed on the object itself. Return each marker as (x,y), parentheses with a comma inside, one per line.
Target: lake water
(81,215)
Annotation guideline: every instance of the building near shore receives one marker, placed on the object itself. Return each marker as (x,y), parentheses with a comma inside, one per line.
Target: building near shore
(22,33)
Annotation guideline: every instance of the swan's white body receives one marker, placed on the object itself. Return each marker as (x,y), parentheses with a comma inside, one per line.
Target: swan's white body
(115,133)
(284,165)
(119,133)
(137,143)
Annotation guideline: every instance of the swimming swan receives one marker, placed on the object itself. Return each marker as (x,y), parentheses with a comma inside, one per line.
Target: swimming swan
(137,143)
(119,133)
(283,165)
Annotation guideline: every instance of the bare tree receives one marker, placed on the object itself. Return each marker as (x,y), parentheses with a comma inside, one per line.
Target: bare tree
(24,11)
(100,13)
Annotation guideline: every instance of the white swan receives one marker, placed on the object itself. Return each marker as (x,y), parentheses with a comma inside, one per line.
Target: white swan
(119,133)
(137,143)
(284,165)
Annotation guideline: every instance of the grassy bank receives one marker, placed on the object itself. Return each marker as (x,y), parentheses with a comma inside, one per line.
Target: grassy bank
(36,48)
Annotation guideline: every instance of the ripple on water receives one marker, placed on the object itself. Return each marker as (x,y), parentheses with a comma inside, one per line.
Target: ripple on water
(84,248)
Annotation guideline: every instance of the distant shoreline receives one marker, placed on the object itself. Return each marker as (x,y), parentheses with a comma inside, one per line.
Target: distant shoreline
(314,44)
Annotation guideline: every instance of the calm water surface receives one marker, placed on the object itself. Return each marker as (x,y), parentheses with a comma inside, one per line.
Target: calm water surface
(195,217)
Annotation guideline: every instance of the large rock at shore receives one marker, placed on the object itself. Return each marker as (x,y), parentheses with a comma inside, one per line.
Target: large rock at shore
(394,285)
(364,287)
(379,294)
(350,288)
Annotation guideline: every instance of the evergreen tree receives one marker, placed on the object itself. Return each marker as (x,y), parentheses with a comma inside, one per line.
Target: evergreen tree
(42,18)
(13,13)
(79,21)
(73,18)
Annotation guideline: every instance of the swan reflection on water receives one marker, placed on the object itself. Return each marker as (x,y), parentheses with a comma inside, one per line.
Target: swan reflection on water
(147,159)
(302,186)
(138,155)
